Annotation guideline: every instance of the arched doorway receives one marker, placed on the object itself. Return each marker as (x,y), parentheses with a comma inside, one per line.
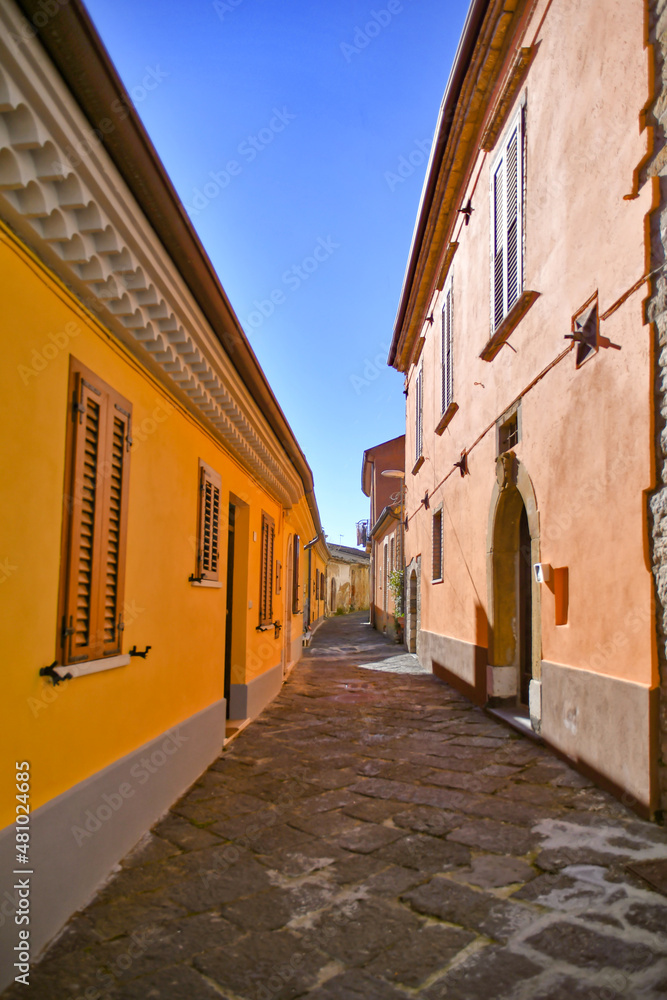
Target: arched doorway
(333,597)
(515,642)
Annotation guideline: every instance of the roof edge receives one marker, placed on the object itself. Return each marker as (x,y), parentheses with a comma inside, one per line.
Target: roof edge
(467,41)
(76,49)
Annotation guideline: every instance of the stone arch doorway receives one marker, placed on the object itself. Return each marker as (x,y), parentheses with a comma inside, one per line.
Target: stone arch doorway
(412,612)
(514,596)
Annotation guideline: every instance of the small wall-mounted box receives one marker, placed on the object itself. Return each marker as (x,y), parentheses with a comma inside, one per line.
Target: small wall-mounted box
(542,572)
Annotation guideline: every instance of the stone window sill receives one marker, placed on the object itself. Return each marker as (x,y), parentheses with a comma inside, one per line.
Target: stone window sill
(446,417)
(212,584)
(508,325)
(93,666)
(418,464)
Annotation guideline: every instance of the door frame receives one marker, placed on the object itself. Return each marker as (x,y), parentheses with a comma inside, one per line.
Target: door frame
(512,491)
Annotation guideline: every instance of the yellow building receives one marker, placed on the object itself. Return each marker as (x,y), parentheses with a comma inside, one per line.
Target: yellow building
(161,550)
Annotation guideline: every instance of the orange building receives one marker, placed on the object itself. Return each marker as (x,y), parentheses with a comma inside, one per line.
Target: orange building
(529,364)
(382,479)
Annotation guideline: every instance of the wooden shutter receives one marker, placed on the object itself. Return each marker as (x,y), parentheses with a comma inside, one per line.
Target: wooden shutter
(210,489)
(99,439)
(506,223)
(446,364)
(498,244)
(112,557)
(437,546)
(296,583)
(266,571)
(419,423)
(512,221)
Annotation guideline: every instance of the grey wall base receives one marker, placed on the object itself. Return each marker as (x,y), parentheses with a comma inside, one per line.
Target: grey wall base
(78,837)
(247,700)
(604,725)
(462,664)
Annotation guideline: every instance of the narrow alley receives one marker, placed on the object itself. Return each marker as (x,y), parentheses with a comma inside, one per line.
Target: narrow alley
(372,835)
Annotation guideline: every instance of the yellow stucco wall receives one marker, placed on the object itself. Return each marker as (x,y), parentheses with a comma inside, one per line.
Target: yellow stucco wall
(70,732)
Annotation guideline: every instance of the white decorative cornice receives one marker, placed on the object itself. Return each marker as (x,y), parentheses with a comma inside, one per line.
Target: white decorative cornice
(61,192)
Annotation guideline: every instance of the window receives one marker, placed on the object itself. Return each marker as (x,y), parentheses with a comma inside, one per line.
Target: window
(93,568)
(419,422)
(508,435)
(266,571)
(508,429)
(392,554)
(446,363)
(437,545)
(295,576)
(317,584)
(507,223)
(208,537)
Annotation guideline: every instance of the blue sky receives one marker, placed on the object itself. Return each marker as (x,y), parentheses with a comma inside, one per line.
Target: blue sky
(297,135)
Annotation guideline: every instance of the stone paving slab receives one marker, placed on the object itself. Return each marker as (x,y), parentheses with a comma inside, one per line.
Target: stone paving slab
(374,836)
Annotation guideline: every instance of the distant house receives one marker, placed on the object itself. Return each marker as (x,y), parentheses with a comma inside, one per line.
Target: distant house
(160,540)
(530,331)
(382,479)
(347,579)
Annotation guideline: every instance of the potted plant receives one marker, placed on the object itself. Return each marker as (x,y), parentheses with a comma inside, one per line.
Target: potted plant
(396,591)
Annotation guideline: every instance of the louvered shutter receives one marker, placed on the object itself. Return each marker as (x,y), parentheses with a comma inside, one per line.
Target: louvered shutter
(88,414)
(437,546)
(112,549)
(512,223)
(95,520)
(419,423)
(296,583)
(506,224)
(210,490)
(498,244)
(266,571)
(447,372)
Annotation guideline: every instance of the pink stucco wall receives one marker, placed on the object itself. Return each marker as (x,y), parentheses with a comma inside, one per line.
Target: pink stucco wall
(586,434)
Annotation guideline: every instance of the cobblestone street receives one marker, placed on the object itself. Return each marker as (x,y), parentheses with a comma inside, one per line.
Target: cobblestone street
(374,836)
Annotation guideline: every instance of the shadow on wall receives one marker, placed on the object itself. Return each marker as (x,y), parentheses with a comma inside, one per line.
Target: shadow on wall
(476,691)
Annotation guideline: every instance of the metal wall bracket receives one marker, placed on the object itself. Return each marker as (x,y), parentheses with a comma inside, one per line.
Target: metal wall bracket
(143,654)
(50,672)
